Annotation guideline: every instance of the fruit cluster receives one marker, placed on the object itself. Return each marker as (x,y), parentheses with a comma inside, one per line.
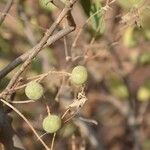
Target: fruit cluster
(35,91)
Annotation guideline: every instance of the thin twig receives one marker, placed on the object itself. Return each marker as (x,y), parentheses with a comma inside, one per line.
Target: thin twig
(58,3)
(53,140)
(26,120)
(67,57)
(5,11)
(22,102)
(73,143)
(88,19)
(24,56)
(41,44)
(37,78)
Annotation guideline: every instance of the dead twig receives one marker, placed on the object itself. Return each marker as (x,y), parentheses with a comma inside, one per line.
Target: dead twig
(5,11)
(19,60)
(41,44)
(26,120)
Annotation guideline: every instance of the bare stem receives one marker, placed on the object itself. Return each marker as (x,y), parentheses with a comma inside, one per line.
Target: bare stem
(26,120)
(5,11)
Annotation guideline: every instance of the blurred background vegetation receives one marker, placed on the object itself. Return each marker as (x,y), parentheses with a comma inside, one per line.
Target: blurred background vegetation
(112,40)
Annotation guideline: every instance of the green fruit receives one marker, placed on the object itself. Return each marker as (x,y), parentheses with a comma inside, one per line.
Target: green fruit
(79,75)
(143,94)
(34,90)
(51,123)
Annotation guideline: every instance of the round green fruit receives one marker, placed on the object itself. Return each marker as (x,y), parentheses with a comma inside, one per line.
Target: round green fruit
(34,90)
(79,75)
(143,94)
(51,123)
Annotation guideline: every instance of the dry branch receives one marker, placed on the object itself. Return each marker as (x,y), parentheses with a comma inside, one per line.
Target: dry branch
(41,44)
(5,11)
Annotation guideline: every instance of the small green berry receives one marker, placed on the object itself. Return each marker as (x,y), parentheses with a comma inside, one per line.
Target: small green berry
(34,90)
(79,75)
(51,123)
(143,94)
